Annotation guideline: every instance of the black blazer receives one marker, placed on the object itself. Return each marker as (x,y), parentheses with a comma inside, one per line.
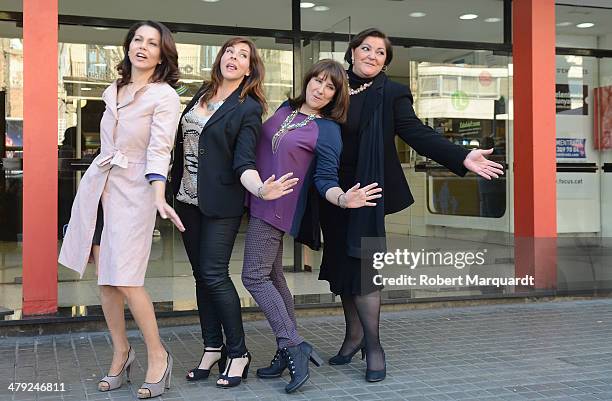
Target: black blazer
(400,119)
(226,150)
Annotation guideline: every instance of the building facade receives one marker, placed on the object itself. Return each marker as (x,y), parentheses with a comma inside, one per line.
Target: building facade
(532,79)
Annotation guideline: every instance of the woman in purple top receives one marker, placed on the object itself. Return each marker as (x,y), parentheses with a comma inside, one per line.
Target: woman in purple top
(302,137)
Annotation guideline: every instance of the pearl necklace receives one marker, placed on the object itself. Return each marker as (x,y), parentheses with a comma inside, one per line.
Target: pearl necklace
(360,88)
(287,126)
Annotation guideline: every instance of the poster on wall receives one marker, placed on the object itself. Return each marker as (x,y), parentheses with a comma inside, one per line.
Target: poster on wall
(572,99)
(602,119)
(571,148)
(574,109)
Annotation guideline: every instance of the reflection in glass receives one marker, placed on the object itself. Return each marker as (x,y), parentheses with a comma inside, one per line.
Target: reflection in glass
(467,104)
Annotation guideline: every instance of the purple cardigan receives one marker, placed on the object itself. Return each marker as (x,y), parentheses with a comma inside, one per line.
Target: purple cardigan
(312,153)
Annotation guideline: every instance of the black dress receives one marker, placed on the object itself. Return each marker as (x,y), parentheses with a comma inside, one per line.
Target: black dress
(345,274)
(343,264)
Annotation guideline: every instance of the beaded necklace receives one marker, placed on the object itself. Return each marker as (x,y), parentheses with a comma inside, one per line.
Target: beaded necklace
(287,126)
(359,89)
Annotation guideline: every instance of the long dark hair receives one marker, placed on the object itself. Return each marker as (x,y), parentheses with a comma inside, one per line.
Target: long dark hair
(337,108)
(360,37)
(167,71)
(251,85)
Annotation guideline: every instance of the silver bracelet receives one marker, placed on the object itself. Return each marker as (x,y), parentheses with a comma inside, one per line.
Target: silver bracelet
(343,206)
(259,194)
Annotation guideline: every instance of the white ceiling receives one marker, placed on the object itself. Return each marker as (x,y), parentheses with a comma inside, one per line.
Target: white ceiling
(441,21)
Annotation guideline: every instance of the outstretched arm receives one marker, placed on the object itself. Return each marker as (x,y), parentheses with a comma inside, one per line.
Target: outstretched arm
(477,163)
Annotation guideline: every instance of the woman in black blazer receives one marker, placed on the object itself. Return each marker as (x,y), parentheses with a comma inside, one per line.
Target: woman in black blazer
(379,109)
(214,161)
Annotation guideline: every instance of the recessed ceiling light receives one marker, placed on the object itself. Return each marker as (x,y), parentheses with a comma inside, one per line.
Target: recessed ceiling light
(306,4)
(211,1)
(468,16)
(493,19)
(565,23)
(417,14)
(101,28)
(585,25)
(321,8)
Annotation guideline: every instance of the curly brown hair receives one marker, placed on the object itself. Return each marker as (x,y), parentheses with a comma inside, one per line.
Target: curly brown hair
(167,71)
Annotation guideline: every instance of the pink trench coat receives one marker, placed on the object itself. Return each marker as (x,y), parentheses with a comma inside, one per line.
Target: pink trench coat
(137,138)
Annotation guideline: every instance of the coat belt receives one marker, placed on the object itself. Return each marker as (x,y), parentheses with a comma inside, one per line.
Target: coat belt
(116,158)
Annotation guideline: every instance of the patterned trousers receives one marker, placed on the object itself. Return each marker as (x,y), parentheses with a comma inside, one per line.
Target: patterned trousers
(262,276)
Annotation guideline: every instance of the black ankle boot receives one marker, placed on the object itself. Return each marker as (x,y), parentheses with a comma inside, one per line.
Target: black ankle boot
(276,368)
(297,358)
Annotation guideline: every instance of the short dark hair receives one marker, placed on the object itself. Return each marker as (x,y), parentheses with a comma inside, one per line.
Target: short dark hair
(167,71)
(337,108)
(361,36)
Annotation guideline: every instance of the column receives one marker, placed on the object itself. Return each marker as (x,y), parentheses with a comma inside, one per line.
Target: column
(40,67)
(535,216)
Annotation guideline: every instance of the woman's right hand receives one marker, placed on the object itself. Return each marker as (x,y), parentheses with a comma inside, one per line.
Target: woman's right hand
(358,197)
(166,211)
(274,189)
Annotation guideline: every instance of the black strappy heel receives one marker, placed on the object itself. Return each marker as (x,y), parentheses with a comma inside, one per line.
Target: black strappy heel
(200,374)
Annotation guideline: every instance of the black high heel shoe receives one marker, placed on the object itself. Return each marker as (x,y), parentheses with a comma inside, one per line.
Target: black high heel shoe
(199,374)
(233,381)
(345,359)
(377,375)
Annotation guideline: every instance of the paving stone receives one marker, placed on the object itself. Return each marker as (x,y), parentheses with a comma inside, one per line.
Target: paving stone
(536,351)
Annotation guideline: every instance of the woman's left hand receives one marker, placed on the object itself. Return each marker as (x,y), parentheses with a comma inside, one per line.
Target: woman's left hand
(166,211)
(477,163)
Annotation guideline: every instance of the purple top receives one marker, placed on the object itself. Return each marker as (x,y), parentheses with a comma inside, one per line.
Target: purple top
(311,152)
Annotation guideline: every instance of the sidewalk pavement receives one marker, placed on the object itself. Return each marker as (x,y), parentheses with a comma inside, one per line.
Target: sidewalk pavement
(533,351)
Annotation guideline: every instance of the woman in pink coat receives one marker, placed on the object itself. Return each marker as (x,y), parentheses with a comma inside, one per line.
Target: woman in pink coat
(128,180)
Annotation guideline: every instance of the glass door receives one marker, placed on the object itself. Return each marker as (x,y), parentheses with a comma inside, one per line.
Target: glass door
(11,172)
(331,43)
(466,96)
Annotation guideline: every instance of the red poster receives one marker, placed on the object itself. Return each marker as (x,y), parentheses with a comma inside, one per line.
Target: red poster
(602,118)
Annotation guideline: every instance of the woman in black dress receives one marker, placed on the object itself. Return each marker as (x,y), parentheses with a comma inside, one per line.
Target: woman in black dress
(379,109)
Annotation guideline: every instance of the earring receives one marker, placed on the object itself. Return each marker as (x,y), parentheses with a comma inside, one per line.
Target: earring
(384,69)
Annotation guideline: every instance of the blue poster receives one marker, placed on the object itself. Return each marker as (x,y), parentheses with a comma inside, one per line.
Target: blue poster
(571,148)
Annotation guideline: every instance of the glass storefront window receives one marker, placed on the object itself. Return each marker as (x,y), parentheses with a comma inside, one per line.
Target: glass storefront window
(86,70)
(11,171)
(584,27)
(432,19)
(584,140)
(464,98)
(268,14)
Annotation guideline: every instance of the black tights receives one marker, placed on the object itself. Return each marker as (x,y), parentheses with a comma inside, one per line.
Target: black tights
(362,317)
